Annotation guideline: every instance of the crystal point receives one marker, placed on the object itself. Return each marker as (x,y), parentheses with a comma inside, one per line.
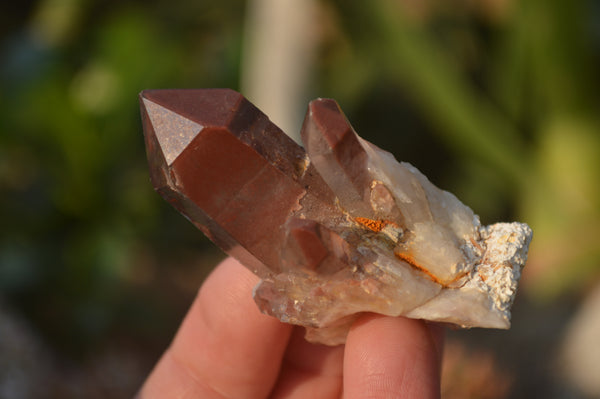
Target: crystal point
(334,230)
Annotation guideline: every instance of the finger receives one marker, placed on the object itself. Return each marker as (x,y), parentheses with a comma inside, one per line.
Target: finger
(225,348)
(309,370)
(391,357)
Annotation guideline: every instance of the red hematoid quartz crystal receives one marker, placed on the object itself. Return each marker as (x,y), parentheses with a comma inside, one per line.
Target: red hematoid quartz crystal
(333,229)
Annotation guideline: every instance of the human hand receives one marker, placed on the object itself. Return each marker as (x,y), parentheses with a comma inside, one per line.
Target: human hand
(226,348)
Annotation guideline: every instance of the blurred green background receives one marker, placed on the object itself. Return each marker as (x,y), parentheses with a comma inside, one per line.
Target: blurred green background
(494,100)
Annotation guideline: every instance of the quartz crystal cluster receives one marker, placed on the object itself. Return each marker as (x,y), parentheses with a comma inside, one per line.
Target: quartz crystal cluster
(333,229)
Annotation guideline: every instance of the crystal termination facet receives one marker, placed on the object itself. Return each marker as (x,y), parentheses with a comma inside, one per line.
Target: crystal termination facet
(333,229)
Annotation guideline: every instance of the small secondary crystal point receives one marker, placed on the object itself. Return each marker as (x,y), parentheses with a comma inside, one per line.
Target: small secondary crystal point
(333,229)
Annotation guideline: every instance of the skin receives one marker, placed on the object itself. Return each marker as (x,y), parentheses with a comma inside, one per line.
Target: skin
(226,348)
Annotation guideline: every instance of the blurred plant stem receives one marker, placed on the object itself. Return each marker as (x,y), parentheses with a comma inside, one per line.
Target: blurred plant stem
(277,59)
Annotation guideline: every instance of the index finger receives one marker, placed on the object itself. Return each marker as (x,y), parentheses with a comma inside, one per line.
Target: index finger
(225,347)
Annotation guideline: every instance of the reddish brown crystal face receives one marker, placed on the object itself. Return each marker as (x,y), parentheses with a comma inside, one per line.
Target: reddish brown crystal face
(224,165)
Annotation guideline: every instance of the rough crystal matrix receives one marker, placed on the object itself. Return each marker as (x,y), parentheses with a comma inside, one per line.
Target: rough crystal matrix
(337,228)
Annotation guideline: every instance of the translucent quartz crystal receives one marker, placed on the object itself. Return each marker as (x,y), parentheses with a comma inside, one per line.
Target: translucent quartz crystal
(343,230)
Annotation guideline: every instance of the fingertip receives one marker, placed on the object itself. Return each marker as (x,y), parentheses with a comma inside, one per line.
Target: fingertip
(391,357)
